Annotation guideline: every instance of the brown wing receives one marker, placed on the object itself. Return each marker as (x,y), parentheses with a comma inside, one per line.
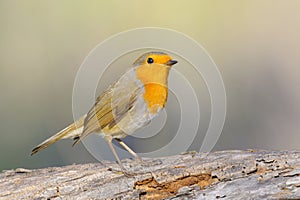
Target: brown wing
(111,106)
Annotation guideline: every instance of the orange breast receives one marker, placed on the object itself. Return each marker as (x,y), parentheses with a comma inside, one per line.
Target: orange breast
(156,95)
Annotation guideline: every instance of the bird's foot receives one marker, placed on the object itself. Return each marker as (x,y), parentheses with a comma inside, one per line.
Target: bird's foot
(122,171)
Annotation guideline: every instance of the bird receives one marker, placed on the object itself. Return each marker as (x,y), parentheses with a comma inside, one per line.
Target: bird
(125,106)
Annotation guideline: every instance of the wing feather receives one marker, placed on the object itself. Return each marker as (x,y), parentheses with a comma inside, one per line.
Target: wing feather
(112,105)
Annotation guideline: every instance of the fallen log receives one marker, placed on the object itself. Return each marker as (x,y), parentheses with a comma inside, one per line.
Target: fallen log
(250,174)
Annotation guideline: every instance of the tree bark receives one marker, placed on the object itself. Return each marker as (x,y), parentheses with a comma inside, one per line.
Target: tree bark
(251,174)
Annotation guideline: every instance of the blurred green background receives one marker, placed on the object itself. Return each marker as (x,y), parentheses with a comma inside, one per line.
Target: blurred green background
(255,44)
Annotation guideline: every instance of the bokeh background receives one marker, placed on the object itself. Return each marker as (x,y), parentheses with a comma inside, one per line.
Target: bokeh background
(255,44)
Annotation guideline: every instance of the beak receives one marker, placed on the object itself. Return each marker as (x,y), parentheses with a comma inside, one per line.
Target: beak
(171,62)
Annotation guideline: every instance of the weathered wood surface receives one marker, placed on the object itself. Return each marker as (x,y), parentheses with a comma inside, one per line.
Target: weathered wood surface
(220,175)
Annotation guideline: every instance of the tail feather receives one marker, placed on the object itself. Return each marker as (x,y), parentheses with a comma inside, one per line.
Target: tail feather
(72,131)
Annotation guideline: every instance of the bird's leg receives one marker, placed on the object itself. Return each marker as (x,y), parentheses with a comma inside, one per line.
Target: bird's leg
(129,150)
(109,141)
(154,162)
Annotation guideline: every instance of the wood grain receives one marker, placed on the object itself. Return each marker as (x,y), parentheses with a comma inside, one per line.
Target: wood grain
(252,174)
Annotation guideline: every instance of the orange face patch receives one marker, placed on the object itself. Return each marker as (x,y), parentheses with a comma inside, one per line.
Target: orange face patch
(158,59)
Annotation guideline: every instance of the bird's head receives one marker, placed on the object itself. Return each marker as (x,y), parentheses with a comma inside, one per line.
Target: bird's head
(155,58)
(153,67)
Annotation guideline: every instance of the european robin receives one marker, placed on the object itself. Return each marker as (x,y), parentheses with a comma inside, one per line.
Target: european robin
(125,106)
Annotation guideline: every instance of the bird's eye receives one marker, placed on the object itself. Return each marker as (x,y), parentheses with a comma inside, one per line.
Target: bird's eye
(150,60)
